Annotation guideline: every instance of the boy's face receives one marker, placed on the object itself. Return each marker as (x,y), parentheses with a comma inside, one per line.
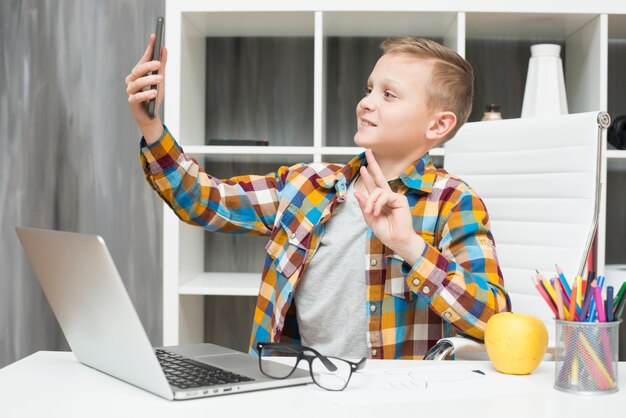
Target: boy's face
(393,118)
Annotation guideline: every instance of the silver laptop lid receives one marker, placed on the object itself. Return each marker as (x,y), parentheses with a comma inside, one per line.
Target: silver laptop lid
(88,298)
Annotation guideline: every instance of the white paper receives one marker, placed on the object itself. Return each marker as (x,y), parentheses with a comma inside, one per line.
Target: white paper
(428,383)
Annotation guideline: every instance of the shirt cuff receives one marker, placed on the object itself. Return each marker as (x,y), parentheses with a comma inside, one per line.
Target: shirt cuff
(161,154)
(426,276)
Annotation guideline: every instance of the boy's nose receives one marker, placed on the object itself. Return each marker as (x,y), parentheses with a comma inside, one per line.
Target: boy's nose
(366,104)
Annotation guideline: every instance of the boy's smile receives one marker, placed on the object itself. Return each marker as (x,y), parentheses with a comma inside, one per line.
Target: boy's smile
(393,117)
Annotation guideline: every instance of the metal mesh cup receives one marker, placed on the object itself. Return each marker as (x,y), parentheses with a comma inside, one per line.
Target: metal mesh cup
(586,357)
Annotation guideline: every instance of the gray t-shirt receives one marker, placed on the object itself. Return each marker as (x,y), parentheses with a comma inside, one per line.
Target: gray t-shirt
(331,295)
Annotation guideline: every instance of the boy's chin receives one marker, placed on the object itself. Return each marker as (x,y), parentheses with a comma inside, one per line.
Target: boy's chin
(363,142)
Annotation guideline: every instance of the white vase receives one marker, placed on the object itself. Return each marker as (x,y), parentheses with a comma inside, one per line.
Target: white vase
(544,94)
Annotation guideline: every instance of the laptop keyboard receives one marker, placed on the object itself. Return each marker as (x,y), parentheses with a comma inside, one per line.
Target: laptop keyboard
(186,373)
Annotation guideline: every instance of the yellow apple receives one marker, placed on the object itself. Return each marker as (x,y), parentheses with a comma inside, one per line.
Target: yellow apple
(515,342)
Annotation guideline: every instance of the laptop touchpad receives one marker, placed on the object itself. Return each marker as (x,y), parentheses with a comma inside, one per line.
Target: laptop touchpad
(228,361)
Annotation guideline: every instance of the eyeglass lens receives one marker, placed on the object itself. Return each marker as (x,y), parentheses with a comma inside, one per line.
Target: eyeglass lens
(278,362)
(331,379)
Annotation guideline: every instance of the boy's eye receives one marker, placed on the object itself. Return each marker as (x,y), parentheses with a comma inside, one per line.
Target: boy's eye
(367,91)
(389,95)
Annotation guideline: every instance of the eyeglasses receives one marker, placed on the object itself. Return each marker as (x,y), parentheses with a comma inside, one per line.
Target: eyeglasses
(279,361)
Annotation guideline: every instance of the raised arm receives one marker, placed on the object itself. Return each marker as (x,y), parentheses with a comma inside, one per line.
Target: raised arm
(243,204)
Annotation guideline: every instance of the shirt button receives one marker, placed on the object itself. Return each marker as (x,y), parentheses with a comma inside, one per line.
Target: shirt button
(293,235)
(374,352)
(416,282)
(447,315)
(425,289)
(373,261)
(372,308)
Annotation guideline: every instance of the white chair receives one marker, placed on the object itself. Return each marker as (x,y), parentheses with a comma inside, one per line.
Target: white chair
(540,181)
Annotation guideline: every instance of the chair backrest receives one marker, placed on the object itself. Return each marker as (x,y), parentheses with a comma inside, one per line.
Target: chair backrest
(539,179)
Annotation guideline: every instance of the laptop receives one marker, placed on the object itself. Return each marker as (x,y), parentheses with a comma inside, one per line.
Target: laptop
(90,302)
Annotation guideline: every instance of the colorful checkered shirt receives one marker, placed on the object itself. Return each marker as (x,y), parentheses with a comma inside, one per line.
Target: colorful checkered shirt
(455,286)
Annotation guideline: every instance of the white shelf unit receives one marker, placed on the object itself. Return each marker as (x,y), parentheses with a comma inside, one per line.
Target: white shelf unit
(582,26)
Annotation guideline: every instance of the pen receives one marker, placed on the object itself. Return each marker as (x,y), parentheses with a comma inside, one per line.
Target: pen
(620,308)
(591,276)
(587,303)
(609,304)
(620,296)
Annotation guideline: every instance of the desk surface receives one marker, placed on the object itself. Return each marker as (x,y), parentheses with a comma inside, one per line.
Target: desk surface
(55,384)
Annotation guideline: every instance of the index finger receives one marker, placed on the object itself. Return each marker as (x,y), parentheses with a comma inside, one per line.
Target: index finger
(147,55)
(376,172)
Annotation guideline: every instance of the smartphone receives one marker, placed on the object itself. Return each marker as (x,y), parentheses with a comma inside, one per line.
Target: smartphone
(156,55)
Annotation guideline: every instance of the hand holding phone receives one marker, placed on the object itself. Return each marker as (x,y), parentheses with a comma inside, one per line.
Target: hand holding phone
(156,56)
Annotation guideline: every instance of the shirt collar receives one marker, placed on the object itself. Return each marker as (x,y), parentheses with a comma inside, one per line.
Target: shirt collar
(420,175)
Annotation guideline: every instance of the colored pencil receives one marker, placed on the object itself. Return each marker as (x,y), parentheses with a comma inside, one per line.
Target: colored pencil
(599,304)
(572,305)
(563,281)
(559,299)
(579,292)
(540,276)
(597,369)
(593,310)
(574,375)
(549,289)
(563,291)
(544,295)
(551,293)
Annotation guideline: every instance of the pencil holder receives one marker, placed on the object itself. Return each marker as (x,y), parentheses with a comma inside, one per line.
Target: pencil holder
(586,357)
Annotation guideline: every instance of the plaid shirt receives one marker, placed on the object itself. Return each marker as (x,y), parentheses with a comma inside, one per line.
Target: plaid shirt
(455,286)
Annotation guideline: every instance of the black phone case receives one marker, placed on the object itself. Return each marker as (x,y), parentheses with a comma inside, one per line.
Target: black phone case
(156,55)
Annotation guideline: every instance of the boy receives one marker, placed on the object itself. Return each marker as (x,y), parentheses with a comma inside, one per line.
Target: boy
(379,258)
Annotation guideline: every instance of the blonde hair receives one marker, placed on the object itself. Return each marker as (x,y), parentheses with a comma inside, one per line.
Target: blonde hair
(452,77)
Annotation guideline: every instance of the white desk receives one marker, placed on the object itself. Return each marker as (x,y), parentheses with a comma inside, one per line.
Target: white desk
(55,384)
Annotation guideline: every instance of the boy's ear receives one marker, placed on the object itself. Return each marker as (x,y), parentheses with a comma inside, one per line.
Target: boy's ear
(440,126)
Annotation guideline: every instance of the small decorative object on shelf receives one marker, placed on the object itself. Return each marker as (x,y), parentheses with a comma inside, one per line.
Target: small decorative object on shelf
(544,94)
(493,112)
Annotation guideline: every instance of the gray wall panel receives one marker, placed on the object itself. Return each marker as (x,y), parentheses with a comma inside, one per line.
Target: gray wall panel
(69,157)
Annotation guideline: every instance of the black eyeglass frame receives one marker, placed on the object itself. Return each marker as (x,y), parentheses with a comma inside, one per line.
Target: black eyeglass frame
(302,355)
